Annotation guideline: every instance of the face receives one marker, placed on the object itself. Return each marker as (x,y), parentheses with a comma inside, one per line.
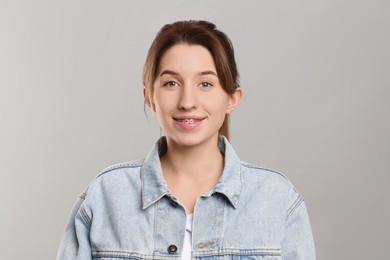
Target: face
(189,102)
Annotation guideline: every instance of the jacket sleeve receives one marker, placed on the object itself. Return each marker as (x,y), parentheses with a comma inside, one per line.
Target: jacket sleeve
(298,242)
(75,244)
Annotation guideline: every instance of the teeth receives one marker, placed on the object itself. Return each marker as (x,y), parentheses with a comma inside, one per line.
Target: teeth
(189,121)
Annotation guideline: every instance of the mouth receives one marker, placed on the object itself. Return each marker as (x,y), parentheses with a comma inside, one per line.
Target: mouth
(189,121)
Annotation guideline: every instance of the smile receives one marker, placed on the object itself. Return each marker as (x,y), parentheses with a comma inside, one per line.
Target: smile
(189,121)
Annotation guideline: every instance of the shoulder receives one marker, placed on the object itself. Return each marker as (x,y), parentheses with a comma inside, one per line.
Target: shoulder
(268,183)
(115,176)
(265,174)
(120,168)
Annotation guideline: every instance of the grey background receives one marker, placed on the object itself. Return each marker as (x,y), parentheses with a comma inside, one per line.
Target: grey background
(315,76)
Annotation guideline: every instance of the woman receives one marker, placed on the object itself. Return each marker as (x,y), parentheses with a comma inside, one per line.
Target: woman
(191,196)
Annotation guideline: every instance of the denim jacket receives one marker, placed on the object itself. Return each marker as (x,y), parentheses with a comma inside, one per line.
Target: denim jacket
(128,212)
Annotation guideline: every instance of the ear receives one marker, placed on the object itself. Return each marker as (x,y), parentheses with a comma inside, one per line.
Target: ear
(234,100)
(147,97)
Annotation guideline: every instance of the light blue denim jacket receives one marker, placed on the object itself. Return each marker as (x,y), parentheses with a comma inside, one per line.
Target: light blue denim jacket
(128,212)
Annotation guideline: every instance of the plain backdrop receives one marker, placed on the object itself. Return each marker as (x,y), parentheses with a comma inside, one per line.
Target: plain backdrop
(316,82)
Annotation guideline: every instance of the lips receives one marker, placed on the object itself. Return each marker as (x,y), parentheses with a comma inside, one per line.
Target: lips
(189,119)
(188,122)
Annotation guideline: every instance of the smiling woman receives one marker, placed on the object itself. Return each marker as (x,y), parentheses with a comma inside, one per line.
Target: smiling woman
(187,95)
(191,197)
(199,33)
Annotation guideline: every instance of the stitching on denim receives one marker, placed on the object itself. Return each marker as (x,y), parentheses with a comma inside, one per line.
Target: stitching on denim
(241,187)
(221,238)
(132,164)
(252,166)
(298,201)
(84,216)
(155,210)
(221,252)
(234,251)
(127,255)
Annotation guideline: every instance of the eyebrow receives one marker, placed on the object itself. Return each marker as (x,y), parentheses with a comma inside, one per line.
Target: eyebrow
(208,72)
(170,72)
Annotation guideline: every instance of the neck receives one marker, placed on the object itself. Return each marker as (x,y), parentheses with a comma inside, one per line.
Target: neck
(191,171)
(199,162)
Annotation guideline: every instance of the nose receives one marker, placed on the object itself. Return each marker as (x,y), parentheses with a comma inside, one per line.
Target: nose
(187,100)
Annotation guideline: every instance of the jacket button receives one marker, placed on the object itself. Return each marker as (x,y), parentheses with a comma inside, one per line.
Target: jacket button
(172,249)
(174,204)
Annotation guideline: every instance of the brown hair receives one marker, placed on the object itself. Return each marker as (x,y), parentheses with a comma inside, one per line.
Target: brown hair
(194,33)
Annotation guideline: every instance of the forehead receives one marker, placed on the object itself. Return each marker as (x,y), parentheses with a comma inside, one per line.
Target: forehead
(186,58)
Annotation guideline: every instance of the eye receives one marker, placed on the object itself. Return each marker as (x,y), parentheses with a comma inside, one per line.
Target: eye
(206,85)
(170,84)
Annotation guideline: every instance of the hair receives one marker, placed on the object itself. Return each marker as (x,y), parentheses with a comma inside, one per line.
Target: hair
(201,33)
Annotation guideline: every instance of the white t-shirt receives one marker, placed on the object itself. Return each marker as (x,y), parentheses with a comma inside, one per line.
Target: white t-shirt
(187,246)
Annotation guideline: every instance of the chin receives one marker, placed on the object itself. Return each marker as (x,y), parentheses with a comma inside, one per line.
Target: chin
(185,142)
(191,140)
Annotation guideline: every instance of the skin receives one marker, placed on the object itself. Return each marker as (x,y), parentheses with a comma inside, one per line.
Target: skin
(187,87)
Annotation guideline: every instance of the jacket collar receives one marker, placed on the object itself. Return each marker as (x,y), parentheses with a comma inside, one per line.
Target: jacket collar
(154,186)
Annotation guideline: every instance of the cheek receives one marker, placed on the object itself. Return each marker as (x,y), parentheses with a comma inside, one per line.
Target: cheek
(162,104)
(218,105)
